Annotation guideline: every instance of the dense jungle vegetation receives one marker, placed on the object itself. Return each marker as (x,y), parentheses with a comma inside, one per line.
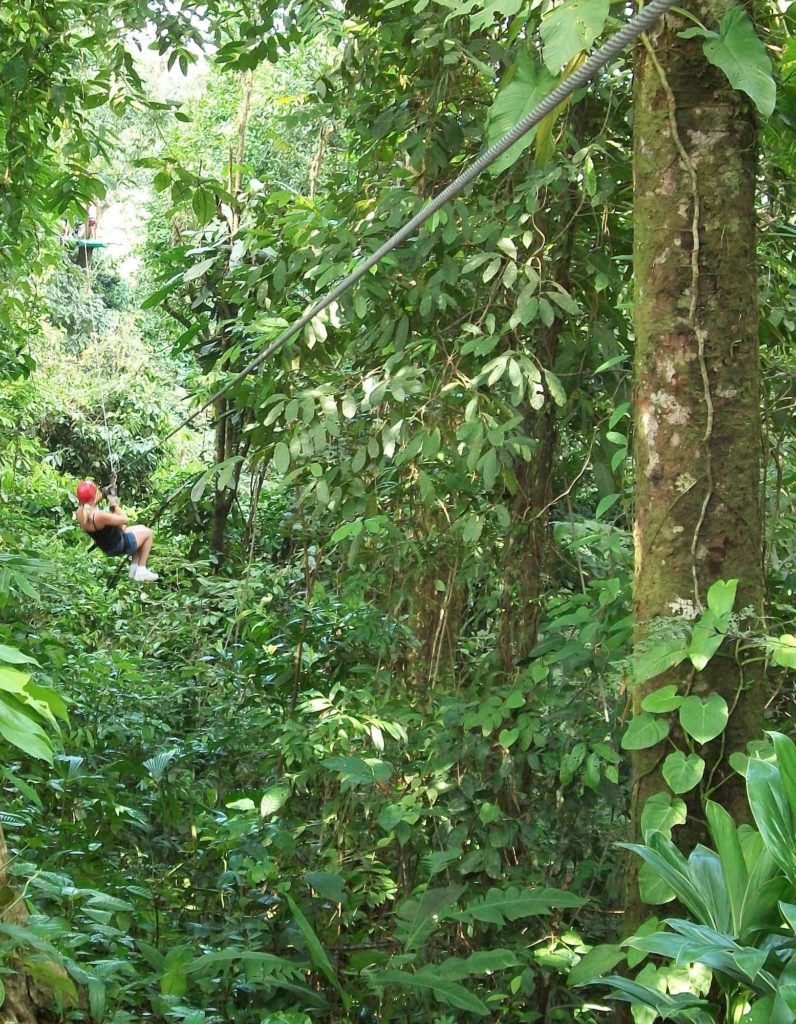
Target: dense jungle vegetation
(466,689)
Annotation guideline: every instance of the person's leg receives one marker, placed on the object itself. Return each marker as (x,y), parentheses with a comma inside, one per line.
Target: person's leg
(143,540)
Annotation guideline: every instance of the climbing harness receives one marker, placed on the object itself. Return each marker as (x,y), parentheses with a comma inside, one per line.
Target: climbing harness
(609,51)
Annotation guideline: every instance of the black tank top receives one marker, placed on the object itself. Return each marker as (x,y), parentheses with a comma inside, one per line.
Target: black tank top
(107,538)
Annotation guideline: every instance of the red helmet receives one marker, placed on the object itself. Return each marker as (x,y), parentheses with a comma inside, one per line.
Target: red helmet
(86,491)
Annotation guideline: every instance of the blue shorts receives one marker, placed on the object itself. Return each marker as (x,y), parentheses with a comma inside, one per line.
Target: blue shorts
(128,545)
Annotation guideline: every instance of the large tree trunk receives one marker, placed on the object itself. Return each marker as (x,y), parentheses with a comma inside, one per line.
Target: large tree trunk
(697,409)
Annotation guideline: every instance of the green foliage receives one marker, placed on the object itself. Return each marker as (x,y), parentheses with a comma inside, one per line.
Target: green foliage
(370,846)
(324,780)
(739,52)
(27,709)
(739,896)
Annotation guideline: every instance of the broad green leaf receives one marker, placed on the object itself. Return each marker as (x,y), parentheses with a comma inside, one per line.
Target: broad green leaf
(96,998)
(556,389)
(15,657)
(721,596)
(198,269)
(733,865)
(706,638)
(487,961)
(244,804)
(226,471)
(491,270)
(203,205)
(739,52)
(486,11)
(662,700)
(654,890)
(507,737)
(668,1007)
(507,246)
(670,865)
(429,980)
(644,731)
(661,813)
(647,664)
(199,487)
(438,860)
(328,885)
(419,916)
(21,731)
(473,527)
(762,1012)
(783,650)
(489,469)
(704,720)
(596,962)
(606,503)
(281,457)
(208,963)
(273,799)
(157,765)
(360,304)
(512,904)
(682,772)
(772,813)
(13,681)
(571,28)
(347,530)
(785,750)
(634,957)
(158,296)
(521,90)
(25,789)
(174,978)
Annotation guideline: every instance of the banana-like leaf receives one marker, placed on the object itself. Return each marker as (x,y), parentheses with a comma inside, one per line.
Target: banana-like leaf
(735,873)
(667,861)
(772,813)
(682,1008)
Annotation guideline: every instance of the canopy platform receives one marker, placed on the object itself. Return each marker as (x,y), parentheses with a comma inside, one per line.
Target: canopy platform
(85,248)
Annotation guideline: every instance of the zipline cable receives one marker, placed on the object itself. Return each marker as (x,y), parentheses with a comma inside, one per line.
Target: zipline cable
(608,52)
(90,293)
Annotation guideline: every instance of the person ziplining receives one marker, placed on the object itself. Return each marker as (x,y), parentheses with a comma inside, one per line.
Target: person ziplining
(110,530)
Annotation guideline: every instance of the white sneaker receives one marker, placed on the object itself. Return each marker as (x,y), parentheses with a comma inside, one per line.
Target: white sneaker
(133,569)
(144,575)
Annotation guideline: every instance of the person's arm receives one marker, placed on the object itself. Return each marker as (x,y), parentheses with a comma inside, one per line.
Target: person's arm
(116,517)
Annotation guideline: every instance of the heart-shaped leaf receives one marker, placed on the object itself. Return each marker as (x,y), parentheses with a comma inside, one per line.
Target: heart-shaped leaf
(682,772)
(704,720)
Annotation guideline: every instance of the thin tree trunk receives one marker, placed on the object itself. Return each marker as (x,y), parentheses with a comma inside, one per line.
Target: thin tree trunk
(697,401)
(236,171)
(526,544)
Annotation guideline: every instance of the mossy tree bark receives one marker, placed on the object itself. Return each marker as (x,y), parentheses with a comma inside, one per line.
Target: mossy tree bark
(697,402)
